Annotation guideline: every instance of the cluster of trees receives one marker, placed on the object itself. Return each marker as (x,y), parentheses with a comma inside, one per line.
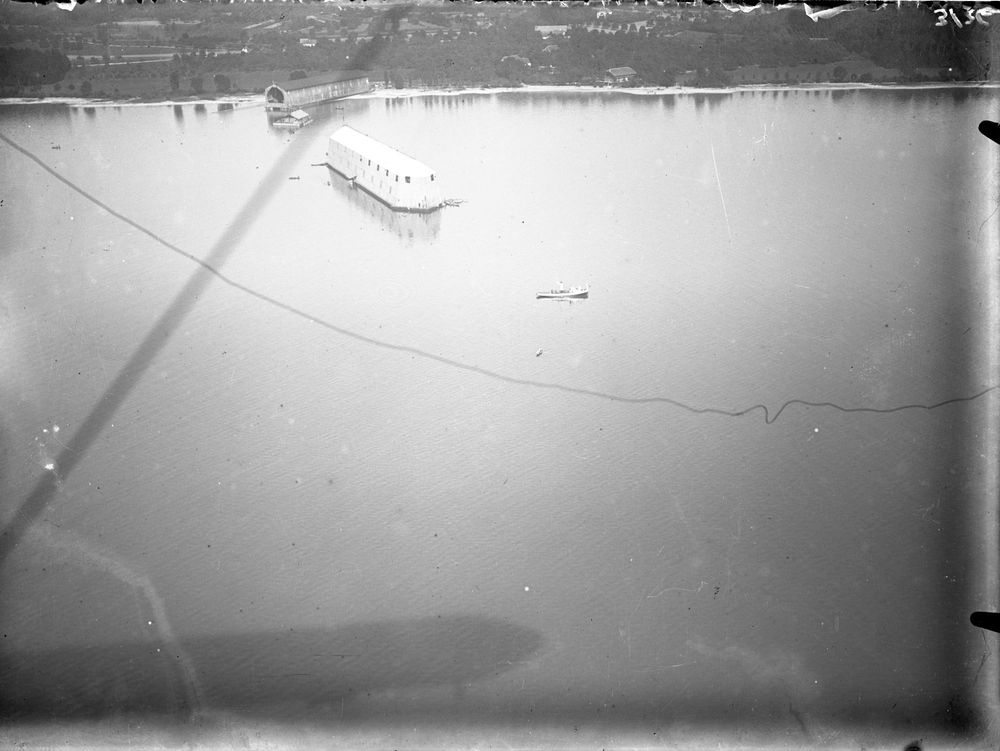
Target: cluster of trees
(512,52)
(28,67)
(912,39)
(223,84)
(711,43)
(507,49)
(515,53)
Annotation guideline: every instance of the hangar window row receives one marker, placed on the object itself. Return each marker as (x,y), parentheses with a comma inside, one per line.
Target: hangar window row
(379,167)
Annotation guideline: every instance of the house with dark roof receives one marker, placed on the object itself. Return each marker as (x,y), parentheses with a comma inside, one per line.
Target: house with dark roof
(619,75)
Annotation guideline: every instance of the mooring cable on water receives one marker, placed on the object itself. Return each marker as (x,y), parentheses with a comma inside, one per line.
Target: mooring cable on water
(769,418)
(209,268)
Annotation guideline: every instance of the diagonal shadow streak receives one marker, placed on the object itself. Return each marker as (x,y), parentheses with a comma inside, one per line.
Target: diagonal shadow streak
(133,370)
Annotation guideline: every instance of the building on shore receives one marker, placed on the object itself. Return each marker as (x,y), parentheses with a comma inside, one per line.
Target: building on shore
(399,181)
(619,75)
(293,95)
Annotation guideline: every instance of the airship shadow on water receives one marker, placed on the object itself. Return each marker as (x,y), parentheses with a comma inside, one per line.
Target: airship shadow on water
(281,673)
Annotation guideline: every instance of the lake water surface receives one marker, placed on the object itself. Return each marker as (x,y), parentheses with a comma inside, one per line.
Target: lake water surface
(337,483)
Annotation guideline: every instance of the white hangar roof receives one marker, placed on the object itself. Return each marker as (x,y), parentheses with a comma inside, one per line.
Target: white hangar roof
(385,156)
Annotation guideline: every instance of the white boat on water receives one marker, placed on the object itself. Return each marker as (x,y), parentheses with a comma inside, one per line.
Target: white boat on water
(564,292)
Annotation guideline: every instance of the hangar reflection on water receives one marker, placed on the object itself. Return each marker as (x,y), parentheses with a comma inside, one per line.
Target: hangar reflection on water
(408,225)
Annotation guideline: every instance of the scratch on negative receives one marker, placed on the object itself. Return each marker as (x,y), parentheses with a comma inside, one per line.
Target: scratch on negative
(677,589)
(984,658)
(668,667)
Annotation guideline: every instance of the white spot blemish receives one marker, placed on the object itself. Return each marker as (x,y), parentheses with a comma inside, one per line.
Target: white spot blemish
(50,466)
(55,428)
(527,589)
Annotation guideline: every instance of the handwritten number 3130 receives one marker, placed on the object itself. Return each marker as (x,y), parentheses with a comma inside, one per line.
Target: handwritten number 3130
(971,16)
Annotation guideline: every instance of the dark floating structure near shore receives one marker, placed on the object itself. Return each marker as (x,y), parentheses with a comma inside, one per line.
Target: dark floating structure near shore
(294,121)
(293,95)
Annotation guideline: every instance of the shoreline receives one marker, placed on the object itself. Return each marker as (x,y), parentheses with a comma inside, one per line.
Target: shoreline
(250,100)
(673,90)
(235,100)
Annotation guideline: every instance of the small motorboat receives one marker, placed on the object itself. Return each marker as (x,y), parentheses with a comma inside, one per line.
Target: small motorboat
(564,292)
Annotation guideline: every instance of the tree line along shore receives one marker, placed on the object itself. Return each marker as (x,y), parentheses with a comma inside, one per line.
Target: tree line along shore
(173,50)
